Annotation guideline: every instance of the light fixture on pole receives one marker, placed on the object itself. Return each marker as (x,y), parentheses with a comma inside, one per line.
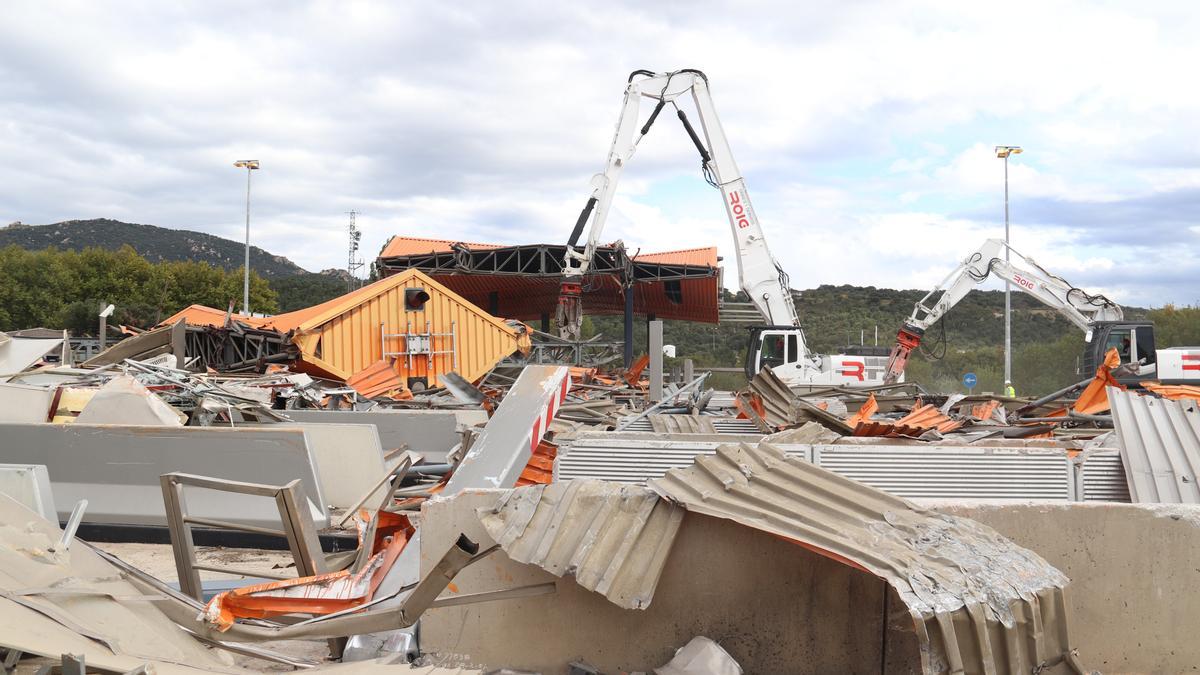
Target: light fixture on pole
(1003,151)
(104,314)
(249,165)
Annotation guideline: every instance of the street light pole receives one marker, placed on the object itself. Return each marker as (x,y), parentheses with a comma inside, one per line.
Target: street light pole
(1003,151)
(249,165)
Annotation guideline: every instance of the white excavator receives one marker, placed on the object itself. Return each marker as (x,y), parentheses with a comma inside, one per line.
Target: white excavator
(1102,320)
(780,343)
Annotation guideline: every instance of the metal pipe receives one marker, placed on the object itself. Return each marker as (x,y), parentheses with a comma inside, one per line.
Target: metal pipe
(1055,396)
(699,381)
(1007,293)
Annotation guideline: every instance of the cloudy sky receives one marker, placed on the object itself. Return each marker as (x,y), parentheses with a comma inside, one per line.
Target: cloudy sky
(864,130)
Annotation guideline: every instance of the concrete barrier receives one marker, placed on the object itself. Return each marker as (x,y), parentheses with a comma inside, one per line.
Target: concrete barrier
(774,606)
(117,468)
(429,432)
(349,460)
(1134,599)
(1135,576)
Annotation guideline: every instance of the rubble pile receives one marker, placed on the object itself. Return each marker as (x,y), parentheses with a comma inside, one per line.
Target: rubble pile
(484,507)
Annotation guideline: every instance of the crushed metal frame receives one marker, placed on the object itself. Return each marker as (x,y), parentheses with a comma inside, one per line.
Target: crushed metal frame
(297,528)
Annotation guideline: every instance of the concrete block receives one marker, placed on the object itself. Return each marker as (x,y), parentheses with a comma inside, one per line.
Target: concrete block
(1134,598)
(349,460)
(774,606)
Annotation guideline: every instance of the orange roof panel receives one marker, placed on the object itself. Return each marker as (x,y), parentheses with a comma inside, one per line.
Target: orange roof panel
(401,246)
(706,257)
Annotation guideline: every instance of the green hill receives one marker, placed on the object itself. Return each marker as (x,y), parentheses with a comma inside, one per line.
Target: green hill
(1045,345)
(295,287)
(156,244)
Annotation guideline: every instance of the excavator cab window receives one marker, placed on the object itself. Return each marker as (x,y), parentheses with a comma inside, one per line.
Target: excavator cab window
(773,351)
(1143,339)
(1120,339)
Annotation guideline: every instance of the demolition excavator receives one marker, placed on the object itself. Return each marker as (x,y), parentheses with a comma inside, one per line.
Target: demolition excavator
(779,344)
(1102,320)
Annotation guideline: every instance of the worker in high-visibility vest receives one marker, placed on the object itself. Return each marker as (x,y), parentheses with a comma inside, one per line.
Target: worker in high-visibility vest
(1008,389)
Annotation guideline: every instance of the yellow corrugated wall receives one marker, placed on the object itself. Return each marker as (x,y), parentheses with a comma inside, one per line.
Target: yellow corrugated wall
(351,340)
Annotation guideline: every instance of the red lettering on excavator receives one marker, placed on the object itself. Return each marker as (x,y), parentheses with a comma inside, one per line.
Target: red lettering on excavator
(854,369)
(738,209)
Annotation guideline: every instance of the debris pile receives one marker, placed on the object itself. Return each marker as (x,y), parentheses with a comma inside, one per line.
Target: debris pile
(388,474)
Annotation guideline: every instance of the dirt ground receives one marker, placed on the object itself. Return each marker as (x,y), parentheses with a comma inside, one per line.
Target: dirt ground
(157,559)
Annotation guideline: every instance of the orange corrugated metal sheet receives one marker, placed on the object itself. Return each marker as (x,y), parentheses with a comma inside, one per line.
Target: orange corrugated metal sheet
(923,418)
(378,379)
(688,256)
(199,315)
(417,246)
(540,469)
(1094,399)
(1173,392)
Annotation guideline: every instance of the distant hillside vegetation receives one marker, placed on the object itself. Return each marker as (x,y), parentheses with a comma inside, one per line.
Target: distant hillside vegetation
(156,244)
(295,287)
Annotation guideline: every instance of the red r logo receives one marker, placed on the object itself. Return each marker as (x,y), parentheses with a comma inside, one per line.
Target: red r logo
(854,369)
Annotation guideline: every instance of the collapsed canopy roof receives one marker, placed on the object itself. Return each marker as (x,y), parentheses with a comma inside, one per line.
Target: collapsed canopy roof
(522,282)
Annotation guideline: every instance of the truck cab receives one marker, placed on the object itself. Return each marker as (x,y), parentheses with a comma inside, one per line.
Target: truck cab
(778,348)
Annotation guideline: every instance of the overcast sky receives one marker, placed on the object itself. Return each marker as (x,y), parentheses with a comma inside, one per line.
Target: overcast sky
(865,130)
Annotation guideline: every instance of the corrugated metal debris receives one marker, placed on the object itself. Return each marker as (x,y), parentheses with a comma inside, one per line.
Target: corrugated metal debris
(680,424)
(1160,446)
(613,538)
(979,602)
(918,471)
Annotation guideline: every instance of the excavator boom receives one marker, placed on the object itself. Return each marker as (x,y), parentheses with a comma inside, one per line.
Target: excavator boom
(1081,308)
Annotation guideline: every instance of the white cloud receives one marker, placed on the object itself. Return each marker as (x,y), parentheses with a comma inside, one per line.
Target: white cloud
(865,130)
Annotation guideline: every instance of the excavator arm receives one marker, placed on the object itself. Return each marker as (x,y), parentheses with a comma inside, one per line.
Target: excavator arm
(759,274)
(1078,306)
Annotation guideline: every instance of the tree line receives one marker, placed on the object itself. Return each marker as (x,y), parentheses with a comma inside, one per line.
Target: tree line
(67,289)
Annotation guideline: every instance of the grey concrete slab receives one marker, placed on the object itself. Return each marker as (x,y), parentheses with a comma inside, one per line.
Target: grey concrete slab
(429,432)
(349,460)
(117,468)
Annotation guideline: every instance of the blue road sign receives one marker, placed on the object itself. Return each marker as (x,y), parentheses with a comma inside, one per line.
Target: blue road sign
(969,380)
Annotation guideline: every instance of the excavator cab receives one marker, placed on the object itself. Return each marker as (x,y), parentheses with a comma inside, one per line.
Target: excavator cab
(1134,342)
(771,346)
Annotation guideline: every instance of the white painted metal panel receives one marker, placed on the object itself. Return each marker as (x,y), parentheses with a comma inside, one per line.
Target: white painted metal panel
(29,485)
(957,473)
(1104,477)
(1160,445)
